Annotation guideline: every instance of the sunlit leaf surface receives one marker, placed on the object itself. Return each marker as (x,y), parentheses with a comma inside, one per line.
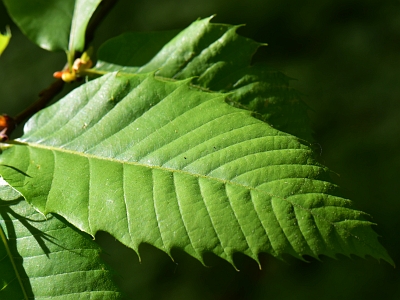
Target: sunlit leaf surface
(161,162)
(218,59)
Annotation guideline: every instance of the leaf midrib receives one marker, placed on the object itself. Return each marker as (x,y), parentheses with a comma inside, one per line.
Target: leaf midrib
(91,156)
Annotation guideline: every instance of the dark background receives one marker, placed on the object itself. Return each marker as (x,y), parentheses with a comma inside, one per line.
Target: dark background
(346,57)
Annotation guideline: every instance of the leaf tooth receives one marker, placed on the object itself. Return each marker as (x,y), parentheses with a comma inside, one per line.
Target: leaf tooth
(211,59)
(156,211)
(179,55)
(246,237)
(244,204)
(223,219)
(124,188)
(138,192)
(308,228)
(283,213)
(202,222)
(186,213)
(273,231)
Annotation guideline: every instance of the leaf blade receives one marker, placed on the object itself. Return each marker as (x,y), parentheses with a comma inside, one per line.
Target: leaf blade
(163,158)
(83,11)
(218,59)
(69,262)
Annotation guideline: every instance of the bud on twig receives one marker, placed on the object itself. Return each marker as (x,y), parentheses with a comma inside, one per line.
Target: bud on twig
(7,125)
(78,68)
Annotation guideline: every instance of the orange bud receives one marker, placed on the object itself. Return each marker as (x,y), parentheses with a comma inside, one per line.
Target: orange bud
(7,124)
(5,121)
(57,74)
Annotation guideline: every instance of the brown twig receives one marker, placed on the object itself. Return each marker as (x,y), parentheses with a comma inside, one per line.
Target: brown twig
(45,96)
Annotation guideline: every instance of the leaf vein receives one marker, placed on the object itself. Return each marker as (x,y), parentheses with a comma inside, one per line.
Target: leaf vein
(183,221)
(154,196)
(211,219)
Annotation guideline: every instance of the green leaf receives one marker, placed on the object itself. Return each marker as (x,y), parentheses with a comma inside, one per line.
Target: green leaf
(134,48)
(83,11)
(49,259)
(219,59)
(7,193)
(159,162)
(53,25)
(4,40)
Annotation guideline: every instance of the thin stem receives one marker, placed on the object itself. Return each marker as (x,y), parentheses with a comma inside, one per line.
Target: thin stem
(45,97)
(70,59)
(92,72)
(5,242)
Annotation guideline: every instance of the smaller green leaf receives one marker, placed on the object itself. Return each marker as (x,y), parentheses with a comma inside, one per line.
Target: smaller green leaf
(4,40)
(49,258)
(83,11)
(53,25)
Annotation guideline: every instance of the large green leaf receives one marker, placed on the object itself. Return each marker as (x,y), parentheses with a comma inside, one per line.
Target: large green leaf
(160,162)
(219,59)
(55,24)
(49,259)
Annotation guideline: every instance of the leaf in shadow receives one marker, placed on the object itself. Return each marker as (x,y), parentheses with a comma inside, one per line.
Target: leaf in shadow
(52,258)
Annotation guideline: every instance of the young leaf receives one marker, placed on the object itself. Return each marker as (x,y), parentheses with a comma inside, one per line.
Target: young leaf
(162,163)
(46,258)
(53,25)
(83,10)
(4,39)
(219,59)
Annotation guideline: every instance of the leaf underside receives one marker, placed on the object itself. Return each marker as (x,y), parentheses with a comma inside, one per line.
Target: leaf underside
(159,162)
(52,259)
